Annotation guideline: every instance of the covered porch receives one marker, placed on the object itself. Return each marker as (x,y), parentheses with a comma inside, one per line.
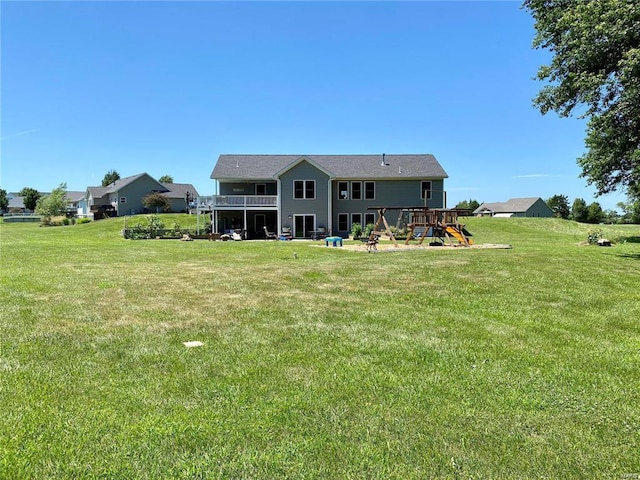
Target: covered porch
(247,215)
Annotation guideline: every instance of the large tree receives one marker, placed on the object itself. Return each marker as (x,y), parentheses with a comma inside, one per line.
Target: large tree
(595,213)
(595,69)
(4,200)
(110,177)
(579,210)
(166,179)
(30,197)
(560,206)
(630,210)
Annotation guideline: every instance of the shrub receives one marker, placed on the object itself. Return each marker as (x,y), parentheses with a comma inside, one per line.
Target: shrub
(150,230)
(83,220)
(368,229)
(176,231)
(356,230)
(594,235)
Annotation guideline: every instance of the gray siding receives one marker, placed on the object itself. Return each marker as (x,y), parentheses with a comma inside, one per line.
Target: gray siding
(388,193)
(134,193)
(318,206)
(539,209)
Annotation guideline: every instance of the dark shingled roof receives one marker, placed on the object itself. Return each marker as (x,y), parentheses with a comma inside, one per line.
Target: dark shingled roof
(513,205)
(265,167)
(179,190)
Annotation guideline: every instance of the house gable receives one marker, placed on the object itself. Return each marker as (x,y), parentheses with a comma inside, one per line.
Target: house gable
(126,194)
(296,163)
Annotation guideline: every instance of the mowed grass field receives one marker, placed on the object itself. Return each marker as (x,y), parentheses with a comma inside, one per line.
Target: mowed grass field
(433,363)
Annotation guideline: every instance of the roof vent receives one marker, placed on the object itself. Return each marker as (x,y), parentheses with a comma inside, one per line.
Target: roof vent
(384,163)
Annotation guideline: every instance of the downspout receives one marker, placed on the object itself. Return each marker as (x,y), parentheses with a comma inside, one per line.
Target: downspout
(329,229)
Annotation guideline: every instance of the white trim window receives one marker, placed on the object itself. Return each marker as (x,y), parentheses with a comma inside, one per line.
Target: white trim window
(343,190)
(356,190)
(369,218)
(425,189)
(357,218)
(343,222)
(369,190)
(304,189)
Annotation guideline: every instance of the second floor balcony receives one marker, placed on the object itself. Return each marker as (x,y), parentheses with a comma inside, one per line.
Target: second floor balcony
(221,202)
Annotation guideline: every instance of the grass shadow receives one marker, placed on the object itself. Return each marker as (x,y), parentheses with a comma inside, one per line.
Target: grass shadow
(630,239)
(634,256)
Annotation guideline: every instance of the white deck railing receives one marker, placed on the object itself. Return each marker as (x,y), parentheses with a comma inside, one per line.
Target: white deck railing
(236,201)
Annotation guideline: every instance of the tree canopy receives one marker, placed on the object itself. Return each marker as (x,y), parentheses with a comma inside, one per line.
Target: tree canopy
(4,199)
(595,69)
(560,206)
(579,210)
(157,201)
(166,179)
(53,204)
(630,211)
(30,197)
(469,204)
(110,177)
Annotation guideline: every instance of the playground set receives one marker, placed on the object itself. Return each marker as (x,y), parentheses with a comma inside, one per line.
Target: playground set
(439,224)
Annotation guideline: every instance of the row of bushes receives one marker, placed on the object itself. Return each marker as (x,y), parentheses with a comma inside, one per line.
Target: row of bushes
(62,220)
(155,228)
(358,232)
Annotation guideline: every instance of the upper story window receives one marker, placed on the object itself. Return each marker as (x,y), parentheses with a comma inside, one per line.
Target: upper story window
(425,189)
(123,199)
(356,190)
(369,190)
(261,189)
(343,190)
(304,189)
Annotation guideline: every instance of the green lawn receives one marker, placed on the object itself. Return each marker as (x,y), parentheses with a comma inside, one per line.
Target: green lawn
(436,363)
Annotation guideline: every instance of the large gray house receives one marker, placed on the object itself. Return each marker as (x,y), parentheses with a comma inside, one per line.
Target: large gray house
(308,193)
(124,196)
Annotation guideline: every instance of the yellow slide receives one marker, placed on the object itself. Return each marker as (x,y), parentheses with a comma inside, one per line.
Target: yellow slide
(455,233)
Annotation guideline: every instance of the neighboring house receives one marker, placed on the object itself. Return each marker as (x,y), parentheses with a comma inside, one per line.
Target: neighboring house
(124,196)
(75,202)
(311,193)
(16,204)
(515,207)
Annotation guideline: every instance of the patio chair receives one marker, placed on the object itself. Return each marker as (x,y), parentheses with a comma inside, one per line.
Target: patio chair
(286,233)
(269,235)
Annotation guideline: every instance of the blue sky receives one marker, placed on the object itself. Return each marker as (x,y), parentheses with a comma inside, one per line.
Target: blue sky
(166,87)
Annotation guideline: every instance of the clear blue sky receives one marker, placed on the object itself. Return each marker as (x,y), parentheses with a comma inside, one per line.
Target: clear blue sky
(166,87)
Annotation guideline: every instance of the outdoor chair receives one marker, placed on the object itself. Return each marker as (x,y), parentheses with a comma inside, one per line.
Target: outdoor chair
(269,235)
(286,233)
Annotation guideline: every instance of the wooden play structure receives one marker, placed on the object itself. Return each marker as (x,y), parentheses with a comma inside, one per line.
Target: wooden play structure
(439,224)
